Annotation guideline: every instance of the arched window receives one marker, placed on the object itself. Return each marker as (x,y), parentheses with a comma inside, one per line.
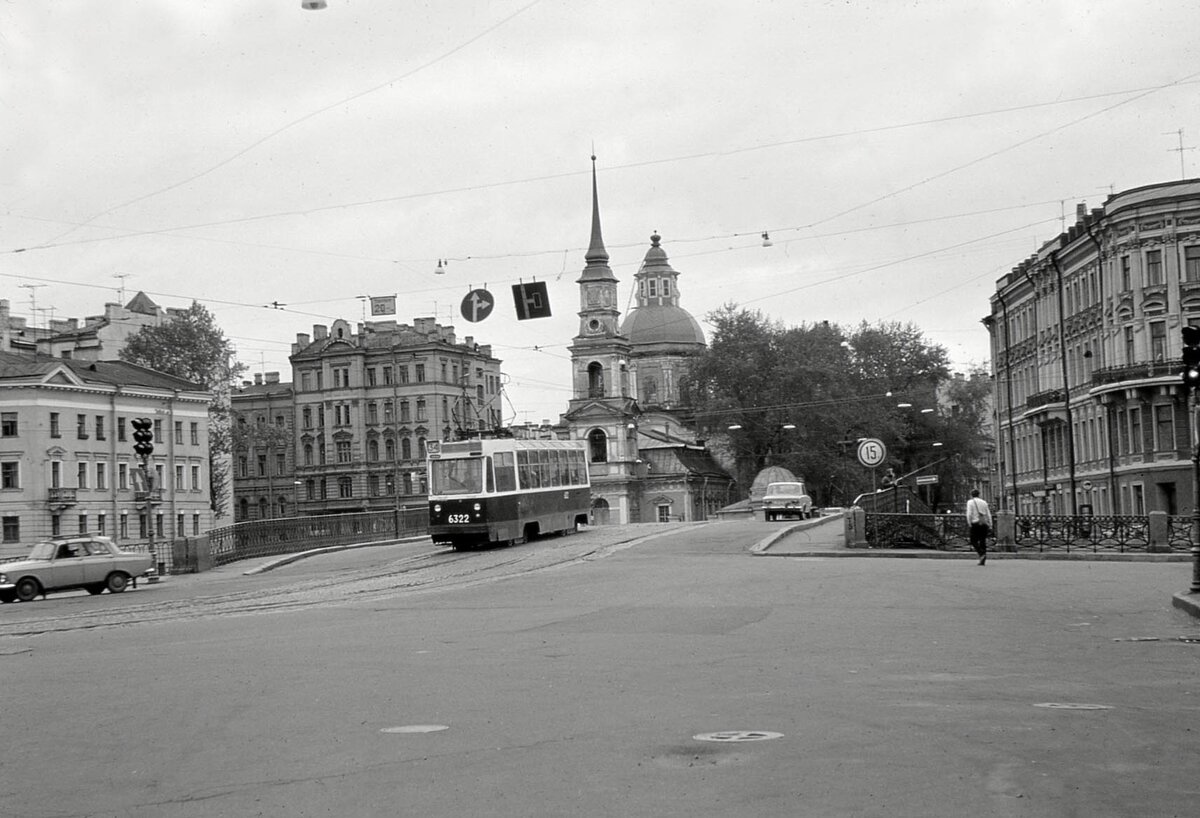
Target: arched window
(389,449)
(372,450)
(595,380)
(244,509)
(406,448)
(263,513)
(598,446)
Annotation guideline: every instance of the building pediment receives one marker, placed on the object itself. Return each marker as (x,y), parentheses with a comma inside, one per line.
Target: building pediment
(601,410)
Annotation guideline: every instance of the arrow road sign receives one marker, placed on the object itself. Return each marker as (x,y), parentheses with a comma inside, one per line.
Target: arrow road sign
(477,305)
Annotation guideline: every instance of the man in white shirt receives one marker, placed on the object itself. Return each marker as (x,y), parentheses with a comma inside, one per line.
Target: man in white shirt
(979,520)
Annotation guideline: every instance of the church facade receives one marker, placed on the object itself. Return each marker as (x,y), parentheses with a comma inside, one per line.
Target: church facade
(645,461)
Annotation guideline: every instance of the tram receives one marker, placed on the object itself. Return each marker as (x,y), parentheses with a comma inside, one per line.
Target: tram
(486,491)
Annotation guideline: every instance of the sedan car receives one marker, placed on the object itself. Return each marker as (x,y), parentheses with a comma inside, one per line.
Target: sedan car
(786,500)
(91,563)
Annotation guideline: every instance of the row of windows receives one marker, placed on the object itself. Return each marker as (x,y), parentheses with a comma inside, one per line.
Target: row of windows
(1134,430)
(342,417)
(318,488)
(399,374)
(89,475)
(1083,290)
(88,425)
(10,526)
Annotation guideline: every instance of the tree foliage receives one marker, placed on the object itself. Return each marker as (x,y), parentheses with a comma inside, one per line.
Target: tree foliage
(802,397)
(193,347)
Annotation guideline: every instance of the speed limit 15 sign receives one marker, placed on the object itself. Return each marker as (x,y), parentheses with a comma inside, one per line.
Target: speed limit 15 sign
(871,452)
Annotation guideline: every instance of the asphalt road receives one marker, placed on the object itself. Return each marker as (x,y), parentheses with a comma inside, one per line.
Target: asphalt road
(573,677)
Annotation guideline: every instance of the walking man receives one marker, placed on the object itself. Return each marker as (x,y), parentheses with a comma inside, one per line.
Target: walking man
(979,520)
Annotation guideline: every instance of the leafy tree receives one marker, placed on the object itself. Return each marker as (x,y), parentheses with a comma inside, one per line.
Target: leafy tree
(192,346)
(801,397)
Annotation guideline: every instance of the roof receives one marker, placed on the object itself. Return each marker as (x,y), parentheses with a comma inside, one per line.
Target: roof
(15,365)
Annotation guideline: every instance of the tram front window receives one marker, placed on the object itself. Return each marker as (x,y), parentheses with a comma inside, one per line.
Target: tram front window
(457,476)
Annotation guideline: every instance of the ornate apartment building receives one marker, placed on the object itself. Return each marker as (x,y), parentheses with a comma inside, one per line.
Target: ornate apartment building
(1085,336)
(366,402)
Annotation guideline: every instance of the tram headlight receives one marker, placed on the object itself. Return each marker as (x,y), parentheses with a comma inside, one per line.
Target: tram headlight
(477,507)
(437,508)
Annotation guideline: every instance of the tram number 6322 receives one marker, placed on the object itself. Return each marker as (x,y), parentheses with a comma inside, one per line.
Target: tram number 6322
(504,490)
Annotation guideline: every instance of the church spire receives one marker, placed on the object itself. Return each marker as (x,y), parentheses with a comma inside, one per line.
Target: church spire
(595,252)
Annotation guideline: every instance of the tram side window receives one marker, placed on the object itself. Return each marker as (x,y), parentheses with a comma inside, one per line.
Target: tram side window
(524,470)
(506,472)
(577,467)
(556,470)
(543,477)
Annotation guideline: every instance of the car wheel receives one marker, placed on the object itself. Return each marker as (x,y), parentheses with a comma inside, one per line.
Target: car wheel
(95,588)
(27,589)
(117,582)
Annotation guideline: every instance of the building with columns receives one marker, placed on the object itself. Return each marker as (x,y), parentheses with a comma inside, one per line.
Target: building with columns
(1086,342)
(646,463)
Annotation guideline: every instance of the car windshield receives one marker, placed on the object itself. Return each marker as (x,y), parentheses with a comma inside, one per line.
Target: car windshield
(785,488)
(43,551)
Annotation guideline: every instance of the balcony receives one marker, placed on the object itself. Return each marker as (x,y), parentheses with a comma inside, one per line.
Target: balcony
(1147,374)
(1047,407)
(154,496)
(1136,372)
(62,497)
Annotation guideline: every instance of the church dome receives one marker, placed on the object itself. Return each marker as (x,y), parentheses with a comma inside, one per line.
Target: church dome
(662,324)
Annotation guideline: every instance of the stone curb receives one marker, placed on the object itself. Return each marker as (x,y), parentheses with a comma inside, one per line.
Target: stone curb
(287,559)
(1189,603)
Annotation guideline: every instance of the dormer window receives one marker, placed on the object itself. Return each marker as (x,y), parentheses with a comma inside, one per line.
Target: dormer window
(666,288)
(653,288)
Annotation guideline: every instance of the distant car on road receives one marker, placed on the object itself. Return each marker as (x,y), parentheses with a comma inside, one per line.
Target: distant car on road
(786,500)
(91,563)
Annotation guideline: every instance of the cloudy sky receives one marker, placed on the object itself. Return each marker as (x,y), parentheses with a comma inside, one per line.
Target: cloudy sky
(276,164)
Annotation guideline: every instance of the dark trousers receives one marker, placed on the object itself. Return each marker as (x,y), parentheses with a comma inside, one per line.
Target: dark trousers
(979,533)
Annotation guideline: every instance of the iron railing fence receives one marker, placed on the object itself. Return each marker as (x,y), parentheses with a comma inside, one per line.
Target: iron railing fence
(289,535)
(1032,533)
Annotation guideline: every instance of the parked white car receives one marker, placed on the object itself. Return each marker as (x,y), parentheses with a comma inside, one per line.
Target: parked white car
(786,500)
(91,563)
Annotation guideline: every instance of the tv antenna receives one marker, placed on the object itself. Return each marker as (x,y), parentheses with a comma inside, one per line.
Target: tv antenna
(121,287)
(1180,150)
(33,288)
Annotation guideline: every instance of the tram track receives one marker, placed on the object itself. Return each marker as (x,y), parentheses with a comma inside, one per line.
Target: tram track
(432,570)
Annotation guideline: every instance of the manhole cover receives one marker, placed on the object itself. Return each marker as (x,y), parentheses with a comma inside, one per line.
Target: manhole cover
(738,735)
(416,728)
(1073,706)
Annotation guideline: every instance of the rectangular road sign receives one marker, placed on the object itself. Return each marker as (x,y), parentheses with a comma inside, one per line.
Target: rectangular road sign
(926,479)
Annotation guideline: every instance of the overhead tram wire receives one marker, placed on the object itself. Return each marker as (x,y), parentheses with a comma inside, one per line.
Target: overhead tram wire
(310,115)
(1140,93)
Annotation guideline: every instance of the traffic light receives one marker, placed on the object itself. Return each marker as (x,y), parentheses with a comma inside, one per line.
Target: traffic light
(1190,373)
(143,436)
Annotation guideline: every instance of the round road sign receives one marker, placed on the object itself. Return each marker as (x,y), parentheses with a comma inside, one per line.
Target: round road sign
(871,452)
(477,305)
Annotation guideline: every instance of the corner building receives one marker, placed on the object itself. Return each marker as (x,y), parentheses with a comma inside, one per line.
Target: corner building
(1086,341)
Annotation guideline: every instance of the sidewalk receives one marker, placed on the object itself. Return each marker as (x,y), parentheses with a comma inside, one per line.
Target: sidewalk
(825,537)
